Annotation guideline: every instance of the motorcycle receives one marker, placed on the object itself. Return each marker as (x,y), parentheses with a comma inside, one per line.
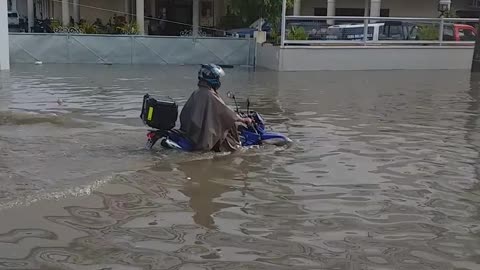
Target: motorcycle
(255,134)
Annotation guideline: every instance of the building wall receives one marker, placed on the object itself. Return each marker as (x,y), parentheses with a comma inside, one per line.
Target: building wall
(398,8)
(364,58)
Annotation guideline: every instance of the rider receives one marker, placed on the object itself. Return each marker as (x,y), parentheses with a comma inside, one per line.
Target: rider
(206,120)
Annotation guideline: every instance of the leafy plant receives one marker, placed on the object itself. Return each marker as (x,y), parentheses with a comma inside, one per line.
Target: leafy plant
(88,28)
(251,10)
(297,33)
(275,38)
(129,29)
(428,32)
(452,13)
(55,24)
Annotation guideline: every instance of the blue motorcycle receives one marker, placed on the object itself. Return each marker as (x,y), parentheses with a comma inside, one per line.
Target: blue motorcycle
(162,116)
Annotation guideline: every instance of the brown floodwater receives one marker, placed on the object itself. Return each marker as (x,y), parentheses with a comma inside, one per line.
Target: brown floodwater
(383,173)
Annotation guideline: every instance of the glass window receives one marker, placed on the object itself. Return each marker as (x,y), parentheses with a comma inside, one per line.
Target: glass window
(391,32)
(355,33)
(466,35)
(448,33)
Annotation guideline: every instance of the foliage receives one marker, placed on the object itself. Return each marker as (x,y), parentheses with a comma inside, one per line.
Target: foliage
(427,32)
(272,11)
(129,28)
(275,38)
(55,24)
(452,13)
(297,33)
(87,28)
(250,10)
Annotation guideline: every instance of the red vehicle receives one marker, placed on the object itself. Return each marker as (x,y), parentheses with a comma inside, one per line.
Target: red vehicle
(459,32)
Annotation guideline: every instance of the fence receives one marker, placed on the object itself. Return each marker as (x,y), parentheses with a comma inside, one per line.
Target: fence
(343,30)
(110,49)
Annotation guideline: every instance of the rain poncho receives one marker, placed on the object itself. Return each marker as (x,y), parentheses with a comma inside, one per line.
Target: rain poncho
(208,122)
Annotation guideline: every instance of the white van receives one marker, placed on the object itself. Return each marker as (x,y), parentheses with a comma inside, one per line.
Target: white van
(376,31)
(13,19)
(353,31)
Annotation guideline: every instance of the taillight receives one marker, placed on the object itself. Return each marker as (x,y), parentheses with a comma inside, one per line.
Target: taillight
(151,135)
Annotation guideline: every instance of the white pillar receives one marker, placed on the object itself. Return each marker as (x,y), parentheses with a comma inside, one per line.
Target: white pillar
(330,10)
(65,13)
(30,15)
(141,16)
(4,46)
(195,17)
(375,6)
(297,7)
(76,11)
(126,9)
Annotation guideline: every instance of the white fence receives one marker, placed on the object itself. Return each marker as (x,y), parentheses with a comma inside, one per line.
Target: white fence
(109,49)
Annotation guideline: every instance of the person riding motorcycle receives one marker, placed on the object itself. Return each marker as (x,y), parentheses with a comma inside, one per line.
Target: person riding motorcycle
(206,120)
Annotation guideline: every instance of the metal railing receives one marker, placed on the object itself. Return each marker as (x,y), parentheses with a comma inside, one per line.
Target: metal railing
(365,31)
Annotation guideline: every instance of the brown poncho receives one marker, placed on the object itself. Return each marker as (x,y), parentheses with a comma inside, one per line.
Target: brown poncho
(208,122)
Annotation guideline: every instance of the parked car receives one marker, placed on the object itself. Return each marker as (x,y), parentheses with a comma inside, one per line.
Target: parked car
(13,22)
(353,31)
(248,31)
(459,32)
(376,31)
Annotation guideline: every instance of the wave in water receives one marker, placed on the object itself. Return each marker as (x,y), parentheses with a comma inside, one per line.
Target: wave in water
(12,118)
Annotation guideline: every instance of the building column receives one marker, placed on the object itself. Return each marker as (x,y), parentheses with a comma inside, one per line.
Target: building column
(195,17)
(14,5)
(297,7)
(4,46)
(76,11)
(141,16)
(330,11)
(375,6)
(65,13)
(30,15)
(126,9)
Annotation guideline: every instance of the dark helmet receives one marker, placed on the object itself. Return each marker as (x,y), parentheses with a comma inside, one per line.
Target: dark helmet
(211,74)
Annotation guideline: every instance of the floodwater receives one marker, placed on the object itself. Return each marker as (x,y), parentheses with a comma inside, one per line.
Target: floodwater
(383,173)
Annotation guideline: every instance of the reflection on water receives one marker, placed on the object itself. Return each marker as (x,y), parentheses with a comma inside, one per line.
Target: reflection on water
(383,174)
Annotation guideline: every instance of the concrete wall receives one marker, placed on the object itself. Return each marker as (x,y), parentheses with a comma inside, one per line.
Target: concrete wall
(268,56)
(114,49)
(365,58)
(398,8)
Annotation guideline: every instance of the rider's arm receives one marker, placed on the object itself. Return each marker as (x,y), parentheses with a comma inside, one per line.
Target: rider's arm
(245,120)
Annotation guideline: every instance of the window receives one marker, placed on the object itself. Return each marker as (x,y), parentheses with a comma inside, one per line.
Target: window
(448,33)
(391,32)
(466,34)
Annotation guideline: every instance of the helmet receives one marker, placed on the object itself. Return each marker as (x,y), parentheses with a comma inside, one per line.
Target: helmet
(211,74)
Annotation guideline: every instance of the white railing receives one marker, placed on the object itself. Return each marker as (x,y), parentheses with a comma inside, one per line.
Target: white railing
(371,30)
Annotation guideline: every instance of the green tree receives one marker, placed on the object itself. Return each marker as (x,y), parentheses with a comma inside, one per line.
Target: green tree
(251,10)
